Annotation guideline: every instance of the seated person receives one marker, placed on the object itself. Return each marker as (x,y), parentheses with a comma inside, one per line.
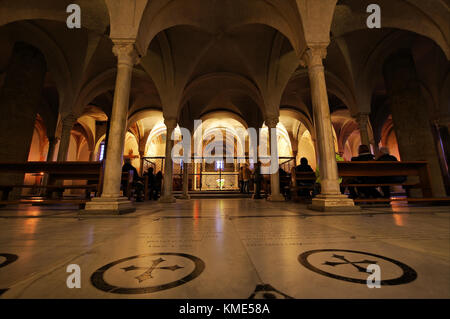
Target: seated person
(364,156)
(284,182)
(137,183)
(158,185)
(386,157)
(151,183)
(304,167)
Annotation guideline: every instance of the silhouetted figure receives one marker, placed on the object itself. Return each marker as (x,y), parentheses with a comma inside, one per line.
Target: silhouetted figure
(158,185)
(284,182)
(151,183)
(304,167)
(386,157)
(246,179)
(257,178)
(137,182)
(241,179)
(364,156)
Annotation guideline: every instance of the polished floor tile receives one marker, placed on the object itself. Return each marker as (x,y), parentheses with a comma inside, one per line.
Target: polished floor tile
(225,248)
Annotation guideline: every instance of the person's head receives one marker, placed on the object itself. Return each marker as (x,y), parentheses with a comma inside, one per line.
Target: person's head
(150,170)
(363,149)
(127,161)
(304,161)
(384,150)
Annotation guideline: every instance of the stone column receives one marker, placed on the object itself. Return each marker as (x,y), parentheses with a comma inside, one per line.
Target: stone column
(185,181)
(167,196)
(363,120)
(91,155)
(52,141)
(330,198)
(111,201)
(275,195)
(68,122)
(20,97)
(410,114)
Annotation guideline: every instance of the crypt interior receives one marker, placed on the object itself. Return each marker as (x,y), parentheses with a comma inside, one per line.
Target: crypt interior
(139,71)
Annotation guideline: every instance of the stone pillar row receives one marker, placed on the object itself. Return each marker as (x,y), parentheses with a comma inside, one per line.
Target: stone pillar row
(330,198)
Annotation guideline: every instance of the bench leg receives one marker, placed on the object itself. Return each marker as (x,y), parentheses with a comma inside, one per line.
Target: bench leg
(5,193)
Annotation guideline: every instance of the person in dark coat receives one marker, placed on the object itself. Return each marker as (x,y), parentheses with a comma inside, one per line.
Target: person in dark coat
(158,185)
(386,157)
(151,183)
(258,179)
(364,156)
(304,167)
(137,182)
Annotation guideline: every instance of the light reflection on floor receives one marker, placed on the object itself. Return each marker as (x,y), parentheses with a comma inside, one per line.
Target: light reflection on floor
(225,248)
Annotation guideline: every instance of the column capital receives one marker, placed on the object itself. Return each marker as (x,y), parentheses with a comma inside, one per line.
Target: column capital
(53,139)
(69,120)
(272,122)
(314,55)
(362,117)
(126,52)
(170,122)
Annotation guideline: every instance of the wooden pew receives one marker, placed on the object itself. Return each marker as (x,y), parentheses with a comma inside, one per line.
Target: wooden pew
(297,178)
(418,169)
(58,172)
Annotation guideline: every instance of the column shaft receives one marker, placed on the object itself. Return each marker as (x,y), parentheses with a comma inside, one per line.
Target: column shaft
(119,114)
(52,141)
(410,115)
(275,173)
(64,143)
(111,201)
(363,121)
(330,197)
(20,97)
(167,196)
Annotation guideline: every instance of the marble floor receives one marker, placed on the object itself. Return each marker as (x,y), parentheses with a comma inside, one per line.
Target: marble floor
(225,248)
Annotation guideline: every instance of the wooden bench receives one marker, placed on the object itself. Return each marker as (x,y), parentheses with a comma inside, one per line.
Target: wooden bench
(297,178)
(420,169)
(58,172)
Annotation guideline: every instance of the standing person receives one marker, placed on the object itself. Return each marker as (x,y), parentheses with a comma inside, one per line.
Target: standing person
(158,185)
(386,157)
(151,183)
(241,179)
(137,181)
(257,178)
(246,178)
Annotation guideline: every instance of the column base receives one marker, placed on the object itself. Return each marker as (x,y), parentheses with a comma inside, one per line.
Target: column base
(113,206)
(333,203)
(185,197)
(276,198)
(167,199)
